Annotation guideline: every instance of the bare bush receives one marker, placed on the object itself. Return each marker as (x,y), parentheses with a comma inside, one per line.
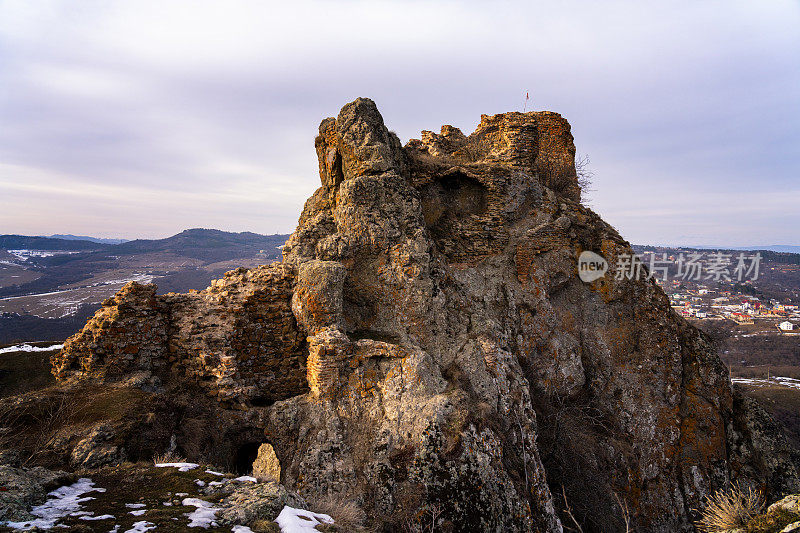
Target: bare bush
(730,508)
(32,426)
(170,456)
(554,176)
(426,521)
(626,515)
(345,513)
(585,177)
(568,511)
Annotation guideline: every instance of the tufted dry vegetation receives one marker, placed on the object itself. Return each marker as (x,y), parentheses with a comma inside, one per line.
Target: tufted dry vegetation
(170,456)
(346,514)
(730,508)
(32,425)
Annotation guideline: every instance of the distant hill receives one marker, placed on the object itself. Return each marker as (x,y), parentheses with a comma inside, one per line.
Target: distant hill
(205,244)
(69,237)
(48,296)
(24,242)
(780,248)
(776,248)
(777,254)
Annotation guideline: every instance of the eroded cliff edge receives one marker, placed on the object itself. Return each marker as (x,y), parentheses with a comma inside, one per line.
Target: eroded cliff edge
(426,343)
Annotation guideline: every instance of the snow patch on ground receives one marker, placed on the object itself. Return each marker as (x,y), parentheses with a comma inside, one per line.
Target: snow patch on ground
(213,473)
(29,348)
(141,527)
(182,467)
(63,501)
(241,529)
(101,517)
(204,515)
(293,520)
(138,512)
(251,479)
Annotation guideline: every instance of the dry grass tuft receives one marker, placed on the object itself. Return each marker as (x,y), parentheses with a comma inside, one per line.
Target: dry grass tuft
(346,514)
(169,456)
(730,508)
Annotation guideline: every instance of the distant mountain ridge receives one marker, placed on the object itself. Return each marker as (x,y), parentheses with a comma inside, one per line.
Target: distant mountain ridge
(87,258)
(207,240)
(779,248)
(767,253)
(70,237)
(195,238)
(26,242)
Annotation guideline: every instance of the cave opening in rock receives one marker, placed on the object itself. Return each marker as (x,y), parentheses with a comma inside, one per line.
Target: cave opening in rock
(455,195)
(262,401)
(244,458)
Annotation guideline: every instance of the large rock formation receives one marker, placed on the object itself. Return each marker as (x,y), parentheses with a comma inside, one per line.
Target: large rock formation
(426,348)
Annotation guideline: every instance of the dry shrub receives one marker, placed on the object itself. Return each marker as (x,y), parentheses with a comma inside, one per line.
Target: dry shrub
(346,514)
(426,521)
(32,425)
(585,177)
(170,456)
(730,508)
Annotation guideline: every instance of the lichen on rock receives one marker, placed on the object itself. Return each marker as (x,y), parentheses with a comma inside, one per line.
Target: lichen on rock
(427,349)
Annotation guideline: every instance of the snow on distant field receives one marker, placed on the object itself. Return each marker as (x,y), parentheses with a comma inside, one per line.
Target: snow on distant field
(63,501)
(29,348)
(24,255)
(757,382)
(293,520)
(65,302)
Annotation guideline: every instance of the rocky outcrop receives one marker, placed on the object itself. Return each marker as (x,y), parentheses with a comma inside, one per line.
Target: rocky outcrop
(23,488)
(426,349)
(238,339)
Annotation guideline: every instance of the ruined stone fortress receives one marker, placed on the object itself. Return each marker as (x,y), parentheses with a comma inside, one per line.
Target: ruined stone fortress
(426,341)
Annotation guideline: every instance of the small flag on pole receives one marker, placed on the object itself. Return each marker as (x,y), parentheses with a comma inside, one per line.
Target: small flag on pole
(525,107)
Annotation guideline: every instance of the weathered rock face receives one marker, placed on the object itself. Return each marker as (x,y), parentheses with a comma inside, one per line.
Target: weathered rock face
(427,348)
(25,487)
(238,339)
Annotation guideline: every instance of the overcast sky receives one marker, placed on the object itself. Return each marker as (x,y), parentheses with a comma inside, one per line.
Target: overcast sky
(141,119)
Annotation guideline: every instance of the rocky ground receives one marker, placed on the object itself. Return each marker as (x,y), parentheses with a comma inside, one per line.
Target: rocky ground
(141,497)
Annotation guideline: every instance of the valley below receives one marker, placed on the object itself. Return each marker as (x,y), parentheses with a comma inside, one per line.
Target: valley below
(49,287)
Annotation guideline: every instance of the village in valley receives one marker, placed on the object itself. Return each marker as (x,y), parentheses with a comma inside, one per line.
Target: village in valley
(702,302)
(764,299)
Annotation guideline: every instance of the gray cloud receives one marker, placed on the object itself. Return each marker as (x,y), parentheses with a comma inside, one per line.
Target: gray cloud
(141,119)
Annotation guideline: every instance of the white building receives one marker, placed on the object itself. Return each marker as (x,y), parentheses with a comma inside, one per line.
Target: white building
(786,326)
